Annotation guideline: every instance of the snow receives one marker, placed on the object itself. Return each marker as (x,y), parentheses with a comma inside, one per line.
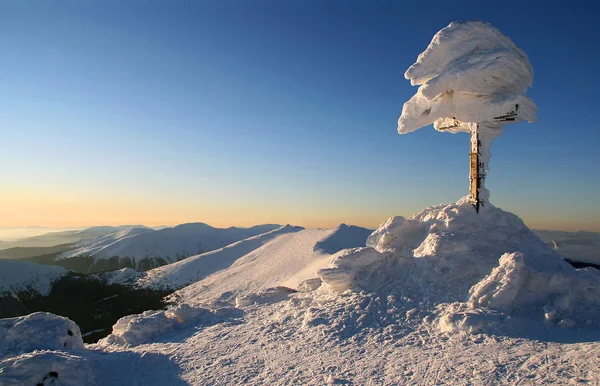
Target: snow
(170,244)
(22,276)
(447,296)
(35,349)
(470,72)
(194,268)
(345,236)
(288,260)
(38,331)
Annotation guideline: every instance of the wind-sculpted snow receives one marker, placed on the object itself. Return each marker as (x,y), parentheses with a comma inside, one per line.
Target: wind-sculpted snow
(450,254)
(22,276)
(470,72)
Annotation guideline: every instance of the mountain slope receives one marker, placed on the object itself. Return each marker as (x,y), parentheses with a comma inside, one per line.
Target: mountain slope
(65,237)
(22,276)
(165,245)
(192,269)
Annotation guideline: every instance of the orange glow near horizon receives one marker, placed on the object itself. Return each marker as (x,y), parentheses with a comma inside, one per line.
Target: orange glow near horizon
(53,210)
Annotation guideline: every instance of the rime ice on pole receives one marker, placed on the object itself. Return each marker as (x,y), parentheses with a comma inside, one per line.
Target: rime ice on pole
(473,79)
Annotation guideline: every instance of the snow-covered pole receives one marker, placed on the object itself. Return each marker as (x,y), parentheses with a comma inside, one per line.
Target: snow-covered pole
(472,79)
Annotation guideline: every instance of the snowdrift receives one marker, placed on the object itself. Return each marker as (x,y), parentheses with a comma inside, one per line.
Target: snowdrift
(42,348)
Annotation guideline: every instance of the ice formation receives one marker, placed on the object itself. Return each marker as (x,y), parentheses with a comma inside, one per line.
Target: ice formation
(471,78)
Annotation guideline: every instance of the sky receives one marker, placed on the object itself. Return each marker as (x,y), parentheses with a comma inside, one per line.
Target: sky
(247,112)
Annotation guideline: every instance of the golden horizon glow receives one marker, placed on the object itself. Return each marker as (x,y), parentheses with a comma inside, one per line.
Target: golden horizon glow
(64,211)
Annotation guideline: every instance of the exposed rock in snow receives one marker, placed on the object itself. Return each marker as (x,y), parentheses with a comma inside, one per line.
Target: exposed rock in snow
(22,276)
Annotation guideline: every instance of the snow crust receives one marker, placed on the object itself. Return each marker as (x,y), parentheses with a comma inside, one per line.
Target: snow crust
(23,276)
(470,72)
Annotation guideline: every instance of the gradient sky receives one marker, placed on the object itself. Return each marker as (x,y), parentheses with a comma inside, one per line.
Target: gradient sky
(245,112)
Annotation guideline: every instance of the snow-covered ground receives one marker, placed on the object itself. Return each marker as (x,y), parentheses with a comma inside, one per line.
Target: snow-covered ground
(21,276)
(168,244)
(444,297)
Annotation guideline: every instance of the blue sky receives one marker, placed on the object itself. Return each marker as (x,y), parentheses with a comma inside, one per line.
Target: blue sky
(239,112)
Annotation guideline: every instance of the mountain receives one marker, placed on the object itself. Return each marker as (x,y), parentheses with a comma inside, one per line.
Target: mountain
(145,248)
(22,276)
(447,296)
(64,237)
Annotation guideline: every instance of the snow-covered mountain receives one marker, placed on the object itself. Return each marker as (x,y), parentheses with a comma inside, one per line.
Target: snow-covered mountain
(144,248)
(22,276)
(65,237)
(283,256)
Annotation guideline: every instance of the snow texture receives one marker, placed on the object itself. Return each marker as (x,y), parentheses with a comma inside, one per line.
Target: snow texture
(470,72)
(22,276)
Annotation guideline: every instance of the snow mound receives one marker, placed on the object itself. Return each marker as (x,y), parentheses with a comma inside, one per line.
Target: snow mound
(46,368)
(449,253)
(566,296)
(23,276)
(345,236)
(133,330)
(38,331)
(470,72)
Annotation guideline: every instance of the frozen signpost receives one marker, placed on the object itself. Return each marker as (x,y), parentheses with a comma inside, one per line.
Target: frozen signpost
(473,79)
